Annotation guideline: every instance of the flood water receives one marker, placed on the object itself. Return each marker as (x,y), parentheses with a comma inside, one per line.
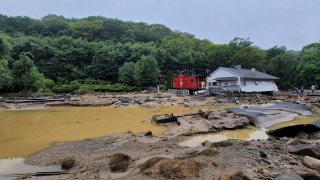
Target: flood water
(248,133)
(25,132)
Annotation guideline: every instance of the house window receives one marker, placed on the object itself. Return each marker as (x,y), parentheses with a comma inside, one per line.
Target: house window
(244,82)
(225,83)
(256,82)
(191,80)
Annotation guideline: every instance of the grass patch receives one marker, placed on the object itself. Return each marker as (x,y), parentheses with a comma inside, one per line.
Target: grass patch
(209,152)
(68,163)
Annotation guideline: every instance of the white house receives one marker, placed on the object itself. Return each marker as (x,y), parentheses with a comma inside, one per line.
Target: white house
(237,79)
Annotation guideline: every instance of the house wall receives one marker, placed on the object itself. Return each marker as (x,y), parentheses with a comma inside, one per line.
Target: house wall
(258,86)
(221,73)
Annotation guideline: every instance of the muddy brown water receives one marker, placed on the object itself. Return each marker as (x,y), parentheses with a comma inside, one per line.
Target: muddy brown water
(25,132)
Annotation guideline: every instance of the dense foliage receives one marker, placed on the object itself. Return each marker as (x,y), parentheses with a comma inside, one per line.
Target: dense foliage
(71,55)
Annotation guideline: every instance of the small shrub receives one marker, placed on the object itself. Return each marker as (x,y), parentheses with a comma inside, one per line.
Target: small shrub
(75,85)
(68,163)
(63,88)
(222,143)
(209,152)
(43,92)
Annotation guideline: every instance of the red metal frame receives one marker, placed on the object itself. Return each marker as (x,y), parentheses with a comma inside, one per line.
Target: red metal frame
(186,82)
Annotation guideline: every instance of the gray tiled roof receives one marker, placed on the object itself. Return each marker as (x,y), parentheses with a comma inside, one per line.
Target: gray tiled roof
(245,73)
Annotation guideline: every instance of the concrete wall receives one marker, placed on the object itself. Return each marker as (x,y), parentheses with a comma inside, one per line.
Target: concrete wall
(258,86)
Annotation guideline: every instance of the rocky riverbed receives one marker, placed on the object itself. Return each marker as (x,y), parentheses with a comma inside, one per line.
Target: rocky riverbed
(147,156)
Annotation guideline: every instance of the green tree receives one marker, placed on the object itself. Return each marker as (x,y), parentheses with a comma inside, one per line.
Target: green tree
(26,74)
(282,66)
(126,73)
(146,71)
(275,51)
(308,70)
(6,80)
(250,57)
(104,65)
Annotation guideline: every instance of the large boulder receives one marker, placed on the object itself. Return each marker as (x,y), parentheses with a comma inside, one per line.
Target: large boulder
(237,176)
(171,168)
(312,163)
(288,175)
(180,168)
(298,141)
(308,174)
(312,150)
(119,162)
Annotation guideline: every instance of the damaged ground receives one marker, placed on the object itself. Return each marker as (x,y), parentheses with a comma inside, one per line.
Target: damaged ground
(147,156)
(105,158)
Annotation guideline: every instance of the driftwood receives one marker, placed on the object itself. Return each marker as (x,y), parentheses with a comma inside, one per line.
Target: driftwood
(169,118)
(51,173)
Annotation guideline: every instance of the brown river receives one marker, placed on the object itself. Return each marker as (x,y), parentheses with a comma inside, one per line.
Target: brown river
(25,132)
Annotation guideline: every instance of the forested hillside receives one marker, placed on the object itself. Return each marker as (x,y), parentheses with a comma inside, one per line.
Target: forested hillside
(59,54)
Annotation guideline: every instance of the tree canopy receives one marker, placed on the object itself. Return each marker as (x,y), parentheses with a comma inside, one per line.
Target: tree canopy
(34,52)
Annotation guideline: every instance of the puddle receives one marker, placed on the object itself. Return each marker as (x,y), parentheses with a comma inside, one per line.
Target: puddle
(297,121)
(249,133)
(9,167)
(25,132)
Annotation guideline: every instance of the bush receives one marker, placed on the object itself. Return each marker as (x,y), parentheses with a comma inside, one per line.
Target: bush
(85,89)
(42,92)
(63,88)
(75,85)
(68,163)
(209,152)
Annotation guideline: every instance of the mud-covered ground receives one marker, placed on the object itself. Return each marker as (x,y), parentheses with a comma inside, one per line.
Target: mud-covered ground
(145,156)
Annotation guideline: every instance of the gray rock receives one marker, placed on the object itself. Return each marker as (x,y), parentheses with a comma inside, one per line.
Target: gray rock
(312,150)
(119,162)
(125,99)
(289,175)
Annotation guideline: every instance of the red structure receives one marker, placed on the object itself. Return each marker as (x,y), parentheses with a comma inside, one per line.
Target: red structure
(183,81)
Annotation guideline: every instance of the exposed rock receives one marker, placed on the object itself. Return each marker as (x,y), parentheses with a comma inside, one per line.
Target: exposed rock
(312,163)
(288,175)
(298,141)
(150,163)
(236,176)
(171,168)
(300,130)
(204,113)
(119,162)
(125,99)
(184,168)
(213,116)
(308,174)
(312,150)
(263,154)
(148,133)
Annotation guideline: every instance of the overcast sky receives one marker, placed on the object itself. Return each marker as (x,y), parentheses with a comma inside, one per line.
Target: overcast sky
(292,23)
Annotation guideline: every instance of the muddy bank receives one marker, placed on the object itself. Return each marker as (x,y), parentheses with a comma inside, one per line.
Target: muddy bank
(149,99)
(265,159)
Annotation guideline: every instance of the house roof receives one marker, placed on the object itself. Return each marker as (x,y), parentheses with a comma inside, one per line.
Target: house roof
(245,73)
